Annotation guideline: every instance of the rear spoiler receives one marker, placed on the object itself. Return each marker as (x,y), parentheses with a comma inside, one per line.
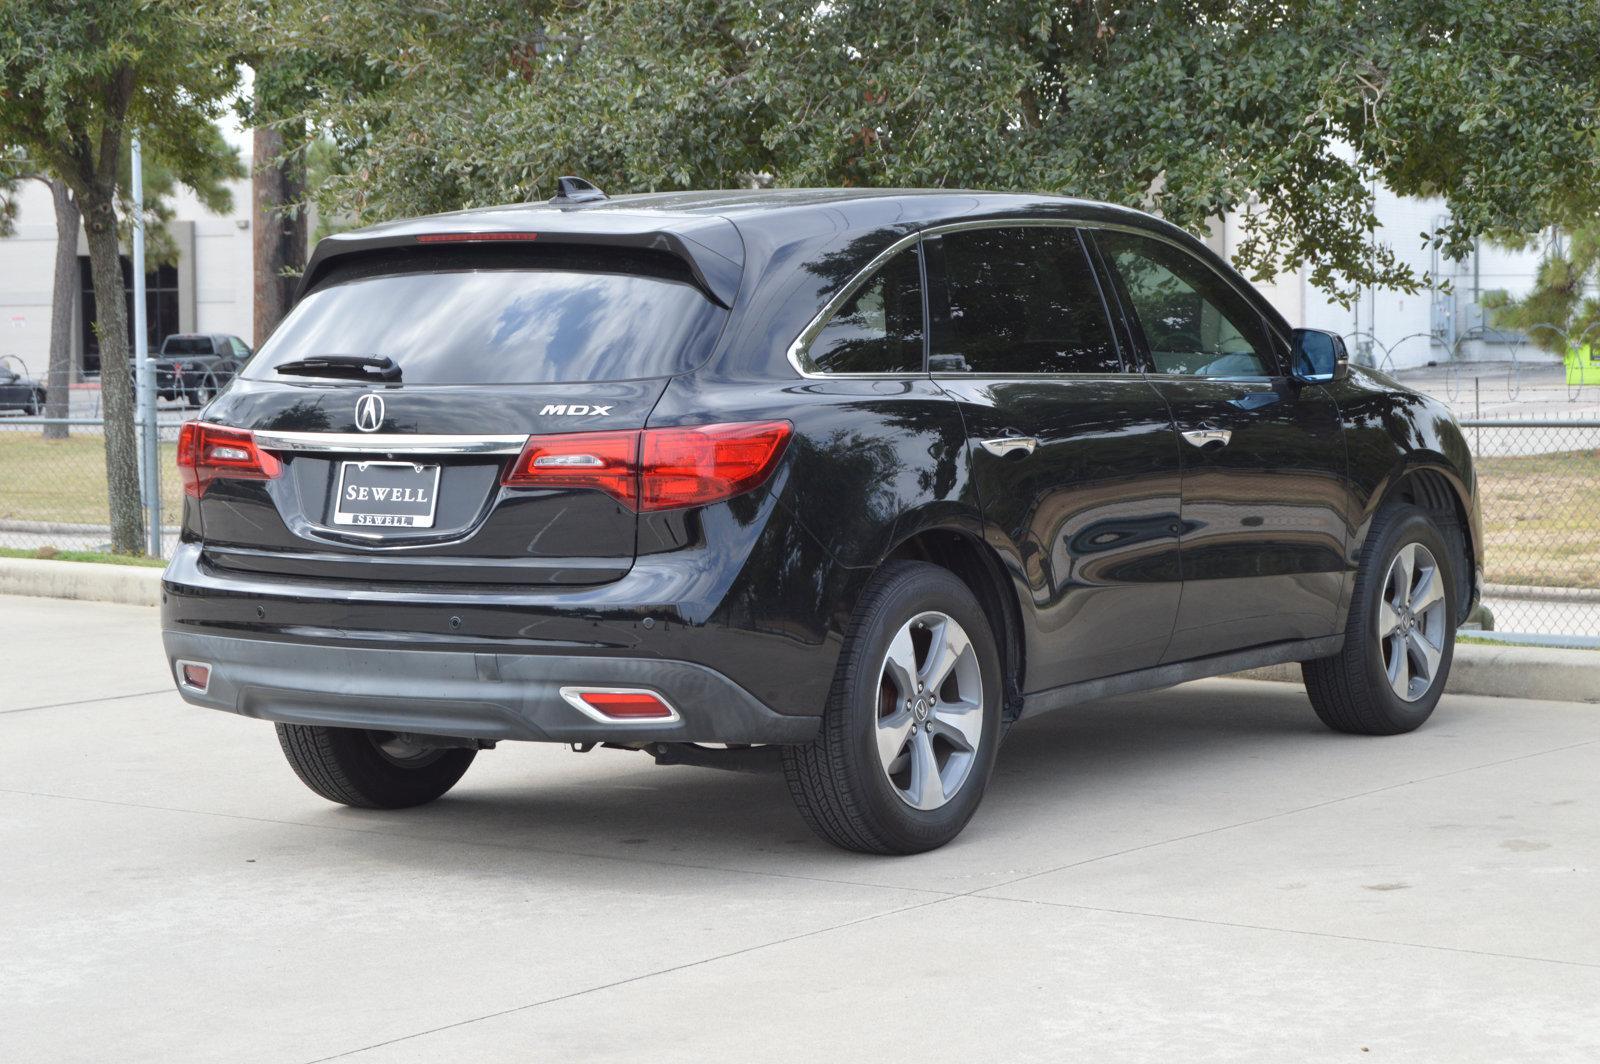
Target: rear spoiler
(709,246)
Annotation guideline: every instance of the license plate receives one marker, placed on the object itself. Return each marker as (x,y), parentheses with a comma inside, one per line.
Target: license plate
(392,494)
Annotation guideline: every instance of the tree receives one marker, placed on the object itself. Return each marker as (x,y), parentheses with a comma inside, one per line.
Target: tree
(78,80)
(1286,112)
(1556,312)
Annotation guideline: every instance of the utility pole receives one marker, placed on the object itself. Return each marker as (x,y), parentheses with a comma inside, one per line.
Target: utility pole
(144,370)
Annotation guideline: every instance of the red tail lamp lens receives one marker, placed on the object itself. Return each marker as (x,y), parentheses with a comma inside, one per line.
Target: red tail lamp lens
(656,469)
(605,461)
(211,452)
(640,705)
(709,463)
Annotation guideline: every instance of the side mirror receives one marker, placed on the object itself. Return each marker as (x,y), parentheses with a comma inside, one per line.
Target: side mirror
(1319,356)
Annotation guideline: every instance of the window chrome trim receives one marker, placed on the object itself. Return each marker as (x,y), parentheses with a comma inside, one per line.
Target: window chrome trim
(388,443)
(797,350)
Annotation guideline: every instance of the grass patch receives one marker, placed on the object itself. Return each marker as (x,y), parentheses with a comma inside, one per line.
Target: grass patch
(65,480)
(1541,518)
(104,557)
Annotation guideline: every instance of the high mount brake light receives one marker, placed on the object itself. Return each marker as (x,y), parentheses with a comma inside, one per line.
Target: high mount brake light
(211,452)
(473,238)
(655,469)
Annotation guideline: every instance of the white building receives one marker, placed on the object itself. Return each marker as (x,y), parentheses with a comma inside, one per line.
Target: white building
(208,289)
(1446,317)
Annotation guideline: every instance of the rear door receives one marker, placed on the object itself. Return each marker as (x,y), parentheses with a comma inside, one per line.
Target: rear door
(1264,472)
(1074,457)
(446,362)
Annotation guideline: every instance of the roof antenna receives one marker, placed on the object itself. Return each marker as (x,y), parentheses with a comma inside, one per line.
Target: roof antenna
(572,190)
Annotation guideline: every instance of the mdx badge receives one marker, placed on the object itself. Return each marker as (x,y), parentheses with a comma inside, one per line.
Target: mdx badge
(369,412)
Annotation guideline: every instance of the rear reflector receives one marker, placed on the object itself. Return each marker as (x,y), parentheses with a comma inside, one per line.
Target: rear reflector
(656,469)
(194,674)
(620,705)
(211,452)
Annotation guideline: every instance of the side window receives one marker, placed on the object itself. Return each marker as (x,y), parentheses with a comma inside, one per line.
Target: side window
(1022,300)
(1194,323)
(879,330)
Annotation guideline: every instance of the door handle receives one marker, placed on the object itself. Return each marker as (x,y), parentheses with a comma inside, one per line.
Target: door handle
(1001,446)
(1208,437)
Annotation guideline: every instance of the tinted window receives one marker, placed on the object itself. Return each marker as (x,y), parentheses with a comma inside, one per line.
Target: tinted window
(503,315)
(880,329)
(187,345)
(1023,300)
(1194,322)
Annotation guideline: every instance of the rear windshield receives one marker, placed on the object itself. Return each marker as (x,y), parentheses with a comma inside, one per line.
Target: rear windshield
(187,345)
(503,315)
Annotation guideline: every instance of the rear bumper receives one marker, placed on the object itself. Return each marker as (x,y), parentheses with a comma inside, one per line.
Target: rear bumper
(468,694)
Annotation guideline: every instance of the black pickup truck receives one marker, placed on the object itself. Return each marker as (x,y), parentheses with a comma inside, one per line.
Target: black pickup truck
(195,366)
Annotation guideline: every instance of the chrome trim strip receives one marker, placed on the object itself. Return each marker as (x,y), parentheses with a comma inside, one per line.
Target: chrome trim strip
(796,352)
(388,443)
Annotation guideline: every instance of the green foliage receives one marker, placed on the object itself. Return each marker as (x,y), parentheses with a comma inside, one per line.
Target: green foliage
(1556,308)
(1285,111)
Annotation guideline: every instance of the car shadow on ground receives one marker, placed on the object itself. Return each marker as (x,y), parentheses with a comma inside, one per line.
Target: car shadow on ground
(1117,757)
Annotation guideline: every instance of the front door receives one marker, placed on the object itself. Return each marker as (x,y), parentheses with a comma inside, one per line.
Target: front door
(1074,458)
(1264,471)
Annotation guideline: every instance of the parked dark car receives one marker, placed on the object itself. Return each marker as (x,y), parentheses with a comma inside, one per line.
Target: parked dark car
(850,481)
(18,392)
(194,367)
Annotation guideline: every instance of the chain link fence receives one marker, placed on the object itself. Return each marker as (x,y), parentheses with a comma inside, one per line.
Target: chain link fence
(1538,484)
(53,491)
(1539,494)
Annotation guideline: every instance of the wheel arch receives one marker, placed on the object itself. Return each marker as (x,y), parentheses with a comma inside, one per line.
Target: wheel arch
(976,564)
(1433,485)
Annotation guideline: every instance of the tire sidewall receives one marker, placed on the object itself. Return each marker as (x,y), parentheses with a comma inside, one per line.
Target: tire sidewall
(1409,526)
(918,590)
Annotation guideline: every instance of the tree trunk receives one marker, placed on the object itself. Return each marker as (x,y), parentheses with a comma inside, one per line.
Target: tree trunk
(64,288)
(116,384)
(278,230)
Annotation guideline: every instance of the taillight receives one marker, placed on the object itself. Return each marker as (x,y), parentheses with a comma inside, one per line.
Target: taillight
(695,466)
(209,452)
(655,469)
(606,461)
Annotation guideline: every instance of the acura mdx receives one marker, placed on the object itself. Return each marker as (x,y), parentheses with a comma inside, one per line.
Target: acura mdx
(845,481)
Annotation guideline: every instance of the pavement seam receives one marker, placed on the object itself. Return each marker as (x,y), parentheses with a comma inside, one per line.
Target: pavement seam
(1287,812)
(88,701)
(1284,930)
(635,978)
(482,844)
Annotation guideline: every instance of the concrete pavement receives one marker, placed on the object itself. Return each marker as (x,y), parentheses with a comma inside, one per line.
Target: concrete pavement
(1200,874)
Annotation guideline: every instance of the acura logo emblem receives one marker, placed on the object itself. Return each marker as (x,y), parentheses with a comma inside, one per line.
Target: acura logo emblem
(369,412)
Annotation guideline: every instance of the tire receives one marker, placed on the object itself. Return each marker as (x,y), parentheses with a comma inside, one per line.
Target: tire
(349,766)
(200,396)
(35,405)
(1358,690)
(849,793)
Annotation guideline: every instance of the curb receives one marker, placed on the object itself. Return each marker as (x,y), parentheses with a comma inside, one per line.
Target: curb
(1499,672)
(132,585)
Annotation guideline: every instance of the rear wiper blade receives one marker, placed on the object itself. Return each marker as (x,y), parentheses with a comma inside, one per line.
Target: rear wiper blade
(363,367)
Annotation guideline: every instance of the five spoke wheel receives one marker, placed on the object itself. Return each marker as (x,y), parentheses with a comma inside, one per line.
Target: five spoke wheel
(1412,625)
(930,710)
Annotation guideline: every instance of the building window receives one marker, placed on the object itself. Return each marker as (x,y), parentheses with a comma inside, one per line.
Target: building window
(160,303)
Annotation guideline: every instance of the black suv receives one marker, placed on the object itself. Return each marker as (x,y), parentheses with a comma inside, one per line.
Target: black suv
(849,481)
(194,367)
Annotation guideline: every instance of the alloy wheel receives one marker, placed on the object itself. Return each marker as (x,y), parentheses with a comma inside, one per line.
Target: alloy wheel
(930,710)
(1412,625)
